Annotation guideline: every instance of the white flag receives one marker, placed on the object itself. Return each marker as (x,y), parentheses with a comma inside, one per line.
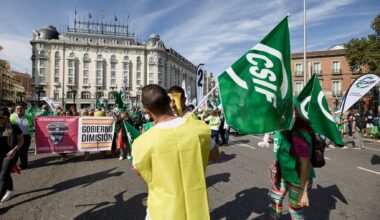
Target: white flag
(50,103)
(358,89)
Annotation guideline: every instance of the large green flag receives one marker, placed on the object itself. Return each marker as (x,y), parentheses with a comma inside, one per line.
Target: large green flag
(256,91)
(314,107)
(118,101)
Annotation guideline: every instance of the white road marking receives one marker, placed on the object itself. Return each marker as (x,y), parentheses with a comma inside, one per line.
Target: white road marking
(237,142)
(371,171)
(371,148)
(327,158)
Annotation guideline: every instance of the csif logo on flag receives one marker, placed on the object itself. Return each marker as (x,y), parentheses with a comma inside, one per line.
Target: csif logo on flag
(264,62)
(365,82)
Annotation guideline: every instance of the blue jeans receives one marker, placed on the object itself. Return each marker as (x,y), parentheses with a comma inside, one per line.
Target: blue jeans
(214,136)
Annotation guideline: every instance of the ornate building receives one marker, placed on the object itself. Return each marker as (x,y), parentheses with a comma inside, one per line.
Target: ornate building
(95,59)
(10,89)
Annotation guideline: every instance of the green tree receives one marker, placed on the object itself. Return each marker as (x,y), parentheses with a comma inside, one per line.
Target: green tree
(366,51)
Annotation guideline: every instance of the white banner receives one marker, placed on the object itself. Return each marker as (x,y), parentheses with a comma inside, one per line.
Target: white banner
(358,89)
(95,133)
(184,89)
(199,83)
(50,103)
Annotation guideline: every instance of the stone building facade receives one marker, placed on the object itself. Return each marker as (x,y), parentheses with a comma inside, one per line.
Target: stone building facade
(93,60)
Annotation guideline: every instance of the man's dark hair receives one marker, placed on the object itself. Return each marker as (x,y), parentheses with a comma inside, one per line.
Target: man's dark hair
(177,89)
(155,99)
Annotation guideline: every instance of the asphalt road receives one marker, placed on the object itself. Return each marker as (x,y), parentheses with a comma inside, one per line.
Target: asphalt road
(348,187)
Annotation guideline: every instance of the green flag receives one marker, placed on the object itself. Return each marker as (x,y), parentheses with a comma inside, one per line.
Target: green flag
(119,101)
(99,103)
(132,133)
(256,91)
(314,107)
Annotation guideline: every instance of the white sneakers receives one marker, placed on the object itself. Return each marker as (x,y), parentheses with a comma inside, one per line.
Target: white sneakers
(8,195)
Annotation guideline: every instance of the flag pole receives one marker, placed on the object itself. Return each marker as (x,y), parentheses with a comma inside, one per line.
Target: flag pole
(304,42)
(204,98)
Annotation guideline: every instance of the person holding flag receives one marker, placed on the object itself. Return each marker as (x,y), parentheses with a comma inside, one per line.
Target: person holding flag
(292,152)
(172,157)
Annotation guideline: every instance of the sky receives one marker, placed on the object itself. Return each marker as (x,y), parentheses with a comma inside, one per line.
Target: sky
(213,32)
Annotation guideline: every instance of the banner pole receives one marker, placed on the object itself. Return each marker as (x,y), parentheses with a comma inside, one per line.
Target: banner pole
(204,98)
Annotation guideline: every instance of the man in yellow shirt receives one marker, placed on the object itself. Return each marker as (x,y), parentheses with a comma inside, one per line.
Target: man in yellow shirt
(172,157)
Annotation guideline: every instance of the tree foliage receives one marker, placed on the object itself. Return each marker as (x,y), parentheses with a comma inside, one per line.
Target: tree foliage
(366,51)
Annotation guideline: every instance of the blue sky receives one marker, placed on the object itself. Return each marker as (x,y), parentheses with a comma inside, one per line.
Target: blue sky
(213,32)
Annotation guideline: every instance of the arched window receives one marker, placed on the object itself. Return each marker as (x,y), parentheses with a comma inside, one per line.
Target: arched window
(57,56)
(126,59)
(99,57)
(86,56)
(113,58)
(72,55)
(151,61)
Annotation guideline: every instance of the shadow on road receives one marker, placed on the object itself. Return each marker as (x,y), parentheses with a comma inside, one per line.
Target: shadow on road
(132,209)
(82,181)
(375,159)
(254,200)
(323,200)
(223,157)
(214,179)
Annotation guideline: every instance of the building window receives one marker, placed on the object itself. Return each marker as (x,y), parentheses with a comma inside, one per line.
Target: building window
(99,57)
(57,56)
(86,57)
(56,63)
(151,75)
(113,66)
(336,88)
(85,65)
(138,82)
(113,81)
(86,95)
(85,73)
(56,94)
(56,79)
(151,82)
(71,80)
(336,67)
(126,59)
(98,81)
(138,75)
(151,68)
(42,63)
(72,55)
(42,79)
(98,64)
(299,87)
(42,53)
(71,63)
(113,74)
(113,58)
(98,73)
(317,68)
(138,67)
(56,72)
(299,70)
(85,81)
(71,72)
(42,71)
(151,61)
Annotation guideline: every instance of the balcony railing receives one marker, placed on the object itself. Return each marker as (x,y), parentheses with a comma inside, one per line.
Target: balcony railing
(57,83)
(336,93)
(318,72)
(337,71)
(299,73)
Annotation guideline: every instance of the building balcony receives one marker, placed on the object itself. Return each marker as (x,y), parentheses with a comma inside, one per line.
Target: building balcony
(86,59)
(318,72)
(57,83)
(337,71)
